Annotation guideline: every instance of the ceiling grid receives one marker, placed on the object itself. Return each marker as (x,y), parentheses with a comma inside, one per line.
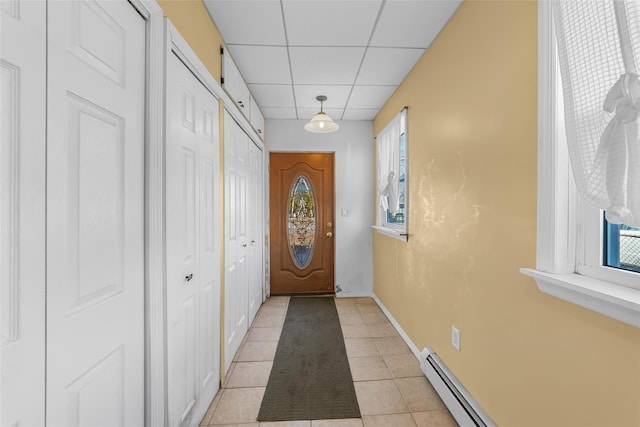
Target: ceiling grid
(356,52)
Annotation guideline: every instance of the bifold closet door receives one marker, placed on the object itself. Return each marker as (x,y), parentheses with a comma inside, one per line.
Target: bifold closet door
(256,231)
(95,194)
(22,212)
(193,245)
(244,241)
(236,293)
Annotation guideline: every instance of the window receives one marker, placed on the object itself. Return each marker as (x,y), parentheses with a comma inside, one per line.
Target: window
(575,247)
(391,178)
(621,245)
(599,252)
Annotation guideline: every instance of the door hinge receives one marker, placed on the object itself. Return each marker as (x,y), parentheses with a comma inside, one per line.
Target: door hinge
(221,50)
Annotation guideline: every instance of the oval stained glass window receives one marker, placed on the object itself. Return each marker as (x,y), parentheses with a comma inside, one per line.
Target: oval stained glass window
(301,222)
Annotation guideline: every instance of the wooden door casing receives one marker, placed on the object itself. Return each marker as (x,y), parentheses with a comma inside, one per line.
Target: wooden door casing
(284,170)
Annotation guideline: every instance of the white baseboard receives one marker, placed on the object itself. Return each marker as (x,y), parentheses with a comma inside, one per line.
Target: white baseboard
(355,294)
(396,325)
(453,404)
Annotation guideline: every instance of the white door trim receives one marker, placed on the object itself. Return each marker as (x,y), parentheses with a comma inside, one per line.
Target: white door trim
(181,48)
(155,347)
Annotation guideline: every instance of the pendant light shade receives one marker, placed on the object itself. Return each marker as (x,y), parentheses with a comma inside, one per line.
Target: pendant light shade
(321,122)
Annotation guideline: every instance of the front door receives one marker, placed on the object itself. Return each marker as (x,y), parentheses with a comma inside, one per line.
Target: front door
(301,187)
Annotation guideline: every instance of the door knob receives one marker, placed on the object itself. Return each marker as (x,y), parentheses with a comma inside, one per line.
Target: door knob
(189,277)
(244,245)
(329,234)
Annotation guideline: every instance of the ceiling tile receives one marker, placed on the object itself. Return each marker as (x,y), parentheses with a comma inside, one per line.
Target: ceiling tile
(360,113)
(307,113)
(370,96)
(336,96)
(410,23)
(268,95)
(325,65)
(323,50)
(385,66)
(262,64)
(248,22)
(279,113)
(330,22)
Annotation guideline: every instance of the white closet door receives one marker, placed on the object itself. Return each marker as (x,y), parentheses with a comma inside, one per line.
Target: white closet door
(210,253)
(95,189)
(22,211)
(193,254)
(236,237)
(256,239)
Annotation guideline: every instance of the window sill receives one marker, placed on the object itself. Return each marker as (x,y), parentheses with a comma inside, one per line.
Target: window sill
(396,234)
(615,301)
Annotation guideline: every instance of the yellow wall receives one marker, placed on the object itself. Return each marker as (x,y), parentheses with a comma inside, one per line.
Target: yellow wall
(528,359)
(193,22)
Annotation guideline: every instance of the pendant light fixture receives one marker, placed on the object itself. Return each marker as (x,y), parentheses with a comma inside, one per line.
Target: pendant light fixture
(321,122)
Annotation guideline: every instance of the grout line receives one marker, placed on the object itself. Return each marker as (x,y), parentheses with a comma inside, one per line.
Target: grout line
(286,40)
(364,55)
(223,390)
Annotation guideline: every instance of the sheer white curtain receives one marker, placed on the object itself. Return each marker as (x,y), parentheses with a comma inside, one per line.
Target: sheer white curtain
(599,52)
(388,160)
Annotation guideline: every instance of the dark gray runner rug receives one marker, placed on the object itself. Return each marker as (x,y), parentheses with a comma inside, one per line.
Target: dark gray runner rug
(310,378)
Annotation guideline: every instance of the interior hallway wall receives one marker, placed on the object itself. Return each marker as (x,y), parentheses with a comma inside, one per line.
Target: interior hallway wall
(529,359)
(354,191)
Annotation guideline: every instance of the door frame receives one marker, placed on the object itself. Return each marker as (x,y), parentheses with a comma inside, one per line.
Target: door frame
(155,408)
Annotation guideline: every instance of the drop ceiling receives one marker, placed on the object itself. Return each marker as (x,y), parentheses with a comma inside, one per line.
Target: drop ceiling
(356,52)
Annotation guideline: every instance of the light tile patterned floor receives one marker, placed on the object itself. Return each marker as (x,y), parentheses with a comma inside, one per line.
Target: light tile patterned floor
(391,389)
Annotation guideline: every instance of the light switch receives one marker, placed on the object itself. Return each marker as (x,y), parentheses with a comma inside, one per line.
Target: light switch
(346,212)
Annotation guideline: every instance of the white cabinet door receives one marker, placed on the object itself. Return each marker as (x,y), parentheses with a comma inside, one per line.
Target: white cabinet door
(193,254)
(236,237)
(22,211)
(256,234)
(95,193)
(257,119)
(234,84)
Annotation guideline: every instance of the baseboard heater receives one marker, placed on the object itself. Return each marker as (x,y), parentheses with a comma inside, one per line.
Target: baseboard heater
(462,406)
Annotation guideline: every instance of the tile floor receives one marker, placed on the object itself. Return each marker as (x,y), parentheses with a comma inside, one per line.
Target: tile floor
(391,389)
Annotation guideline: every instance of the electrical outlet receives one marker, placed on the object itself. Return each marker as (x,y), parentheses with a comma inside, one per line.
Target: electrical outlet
(455,338)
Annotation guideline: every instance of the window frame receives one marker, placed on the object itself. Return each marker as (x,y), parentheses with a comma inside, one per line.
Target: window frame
(591,261)
(382,225)
(569,231)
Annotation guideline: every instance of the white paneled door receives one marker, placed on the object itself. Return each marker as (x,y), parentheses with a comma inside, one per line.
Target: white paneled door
(236,237)
(256,231)
(95,189)
(22,212)
(193,245)
(244,241)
